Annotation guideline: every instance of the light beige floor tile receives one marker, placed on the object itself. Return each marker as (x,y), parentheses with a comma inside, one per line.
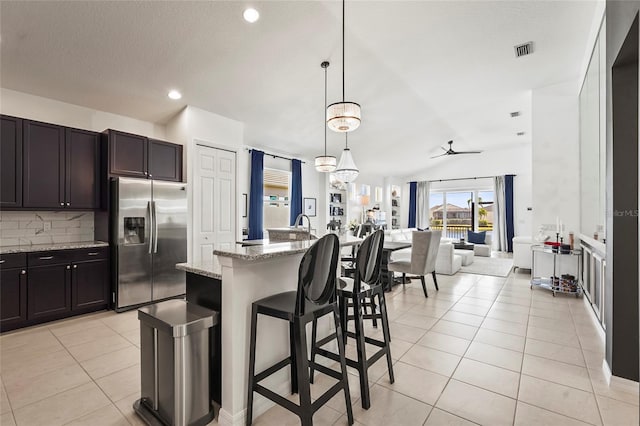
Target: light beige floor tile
(519,317)
(428,310)
(553,324)
(557,314)
(416,320)
(523,301)
(96,348)
(5,406)
(122,383)
(445,343)
(508,307)
(133,336)
(106,416)
(553,351)
(6,419)
(95,332)
(554,336)
(376,371)
(477,405)
(123,322)
(442,418)
(405,332)
(556,371)
(502,340)
(323,382)
(31,339)
(412,381)
(110,363)
(63,407)
(399,348)
(278,415)
(594,343)
(489,377)
(528,415)
(431,359)
(464,318)
(26,391)
(618,413)
(560,399)
(614,390)
(494,355)
(389,407)
(74,325)
(456,329)
(470,309)
(125,406)
(505,326)
(593,359)
(475,301)
(35,365)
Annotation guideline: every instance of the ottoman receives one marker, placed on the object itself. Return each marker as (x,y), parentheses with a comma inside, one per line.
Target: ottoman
(466,255)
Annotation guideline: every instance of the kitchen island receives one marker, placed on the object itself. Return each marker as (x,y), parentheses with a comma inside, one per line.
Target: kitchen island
(230,284)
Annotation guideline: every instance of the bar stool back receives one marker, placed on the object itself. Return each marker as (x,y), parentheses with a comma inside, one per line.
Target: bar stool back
(314,298)
(355,292)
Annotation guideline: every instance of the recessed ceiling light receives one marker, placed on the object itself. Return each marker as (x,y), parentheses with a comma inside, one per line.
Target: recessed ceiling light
(251,15)
(174,94)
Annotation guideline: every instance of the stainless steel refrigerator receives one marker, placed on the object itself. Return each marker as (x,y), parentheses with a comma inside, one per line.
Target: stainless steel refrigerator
(149,226)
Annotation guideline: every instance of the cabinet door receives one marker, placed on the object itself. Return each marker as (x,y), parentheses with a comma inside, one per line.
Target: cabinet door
(48,289)
(89,285)
(165,160)
(10,162)
(13,298)
(82,167)
(43,165)
(127,154)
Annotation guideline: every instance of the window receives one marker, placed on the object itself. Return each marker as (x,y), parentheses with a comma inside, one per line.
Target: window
(456,212)
(276,198)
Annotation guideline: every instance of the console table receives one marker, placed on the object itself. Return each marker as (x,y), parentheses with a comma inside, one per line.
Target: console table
(555,283)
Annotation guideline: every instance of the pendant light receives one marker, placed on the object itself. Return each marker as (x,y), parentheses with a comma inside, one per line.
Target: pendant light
(343,116)
(347,170)
(325,163)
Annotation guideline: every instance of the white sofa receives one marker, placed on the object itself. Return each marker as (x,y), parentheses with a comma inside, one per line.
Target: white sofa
(447,262)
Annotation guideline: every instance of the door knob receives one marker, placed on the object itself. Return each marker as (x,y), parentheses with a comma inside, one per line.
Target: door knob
(23,272)
(62,204)
(68,266)
(68,204)
(75,266)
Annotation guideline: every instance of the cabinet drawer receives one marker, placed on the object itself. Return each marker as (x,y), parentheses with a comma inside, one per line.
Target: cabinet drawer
(94,253)
(13,260)
(55,257)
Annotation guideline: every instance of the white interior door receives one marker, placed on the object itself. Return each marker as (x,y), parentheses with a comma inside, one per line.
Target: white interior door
(214,201)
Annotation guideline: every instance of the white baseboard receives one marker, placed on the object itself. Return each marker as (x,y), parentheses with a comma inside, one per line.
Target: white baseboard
(618,382)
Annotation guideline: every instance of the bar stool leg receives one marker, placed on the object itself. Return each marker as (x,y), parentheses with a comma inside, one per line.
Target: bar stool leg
(252,364)
(292,354)
(386,334)
(435,281)
(344,312)
(373,312)
(343,365)
(363,366)
(314,333)
(302,367)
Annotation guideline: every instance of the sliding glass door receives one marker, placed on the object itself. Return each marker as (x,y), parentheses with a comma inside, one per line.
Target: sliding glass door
(457,212)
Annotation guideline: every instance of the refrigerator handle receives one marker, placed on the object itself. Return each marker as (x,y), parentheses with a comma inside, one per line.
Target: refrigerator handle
(155,229)
(150,209)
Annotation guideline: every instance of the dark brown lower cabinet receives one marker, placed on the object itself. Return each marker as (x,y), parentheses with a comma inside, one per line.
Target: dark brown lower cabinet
(89,285)
(13,297)
(49,292)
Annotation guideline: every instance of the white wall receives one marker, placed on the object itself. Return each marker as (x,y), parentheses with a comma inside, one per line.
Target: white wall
(555,153)
(51,111)
(515,160)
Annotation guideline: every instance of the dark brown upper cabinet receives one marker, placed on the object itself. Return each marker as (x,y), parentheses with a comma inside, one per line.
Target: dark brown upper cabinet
(11,161)
(137,156)
(165,160)
(43,165)
(60,167)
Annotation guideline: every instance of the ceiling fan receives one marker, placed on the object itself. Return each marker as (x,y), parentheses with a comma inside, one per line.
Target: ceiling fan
(450,151)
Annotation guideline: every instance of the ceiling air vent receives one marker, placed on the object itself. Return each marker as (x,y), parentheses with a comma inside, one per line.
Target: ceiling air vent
(520,133)
(523,49)
(515,114)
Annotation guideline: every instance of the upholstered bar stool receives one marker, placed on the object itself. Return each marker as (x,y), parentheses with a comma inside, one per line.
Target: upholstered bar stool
(315,297)
(424,251)
(355,293)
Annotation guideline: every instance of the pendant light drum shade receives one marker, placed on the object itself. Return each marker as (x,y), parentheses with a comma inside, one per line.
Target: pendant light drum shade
(347,170)
(343,116)
(325,163)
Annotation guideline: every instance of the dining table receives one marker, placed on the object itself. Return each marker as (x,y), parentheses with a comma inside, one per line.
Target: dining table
(386,276)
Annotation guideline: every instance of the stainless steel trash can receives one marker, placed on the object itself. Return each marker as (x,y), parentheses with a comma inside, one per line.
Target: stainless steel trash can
(175,363)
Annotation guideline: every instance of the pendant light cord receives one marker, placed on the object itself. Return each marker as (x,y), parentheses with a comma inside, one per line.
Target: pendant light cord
(325,109)
(343,1)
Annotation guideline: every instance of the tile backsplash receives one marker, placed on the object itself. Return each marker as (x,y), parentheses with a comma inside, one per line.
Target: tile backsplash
(42,227)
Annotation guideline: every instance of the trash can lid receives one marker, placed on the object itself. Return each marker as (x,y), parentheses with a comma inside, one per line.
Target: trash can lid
(178,317)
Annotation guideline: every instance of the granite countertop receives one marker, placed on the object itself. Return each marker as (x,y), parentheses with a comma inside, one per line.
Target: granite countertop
(206,269)
(53,246)
(273,250)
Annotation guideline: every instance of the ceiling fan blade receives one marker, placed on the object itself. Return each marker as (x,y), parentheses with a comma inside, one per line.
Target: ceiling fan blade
(441,155)
(467,152)
(444,149)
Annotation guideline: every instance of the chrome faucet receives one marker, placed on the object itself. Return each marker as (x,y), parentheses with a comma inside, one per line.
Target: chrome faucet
(299,221)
